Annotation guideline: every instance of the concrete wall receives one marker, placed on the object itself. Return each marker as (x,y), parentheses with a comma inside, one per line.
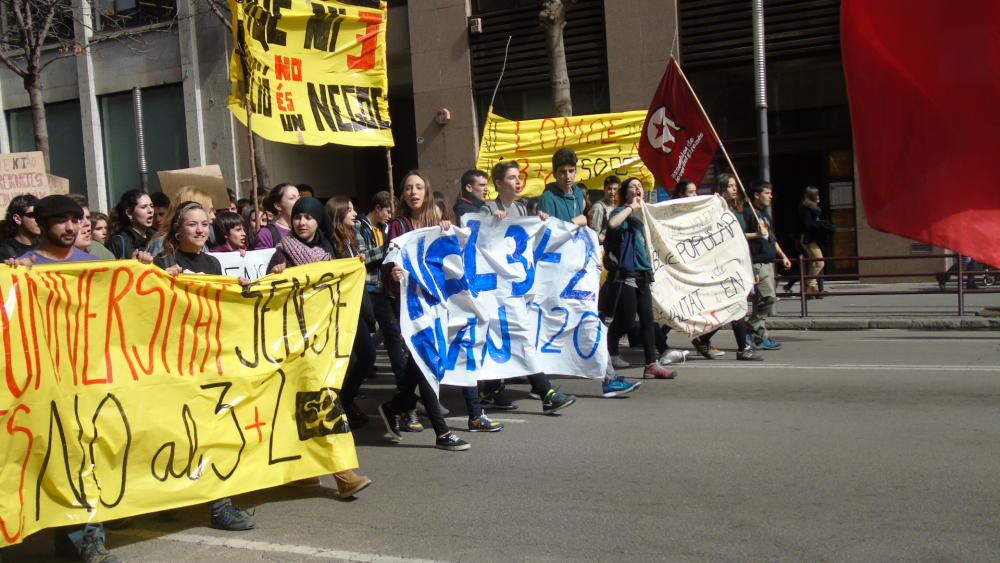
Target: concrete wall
(640,36)
(442,78)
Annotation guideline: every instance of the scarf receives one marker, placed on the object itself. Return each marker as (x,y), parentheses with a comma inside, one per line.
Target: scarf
(299,253)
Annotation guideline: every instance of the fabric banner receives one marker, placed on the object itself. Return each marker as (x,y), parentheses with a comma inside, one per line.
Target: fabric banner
(126,390)
(607,145)
(501,298)
(924,115)
(678,140)
(701,263)
(251,266)
(315,71)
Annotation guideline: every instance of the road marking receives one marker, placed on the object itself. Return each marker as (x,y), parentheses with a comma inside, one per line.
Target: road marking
(838,367)
(925,340)
(457,419)
(268,547)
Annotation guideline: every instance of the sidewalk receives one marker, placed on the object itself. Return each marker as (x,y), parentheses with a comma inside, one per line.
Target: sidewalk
(860,312)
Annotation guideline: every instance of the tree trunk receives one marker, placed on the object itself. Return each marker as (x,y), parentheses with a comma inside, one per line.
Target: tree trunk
(33,84)
(553,19)
(260,162)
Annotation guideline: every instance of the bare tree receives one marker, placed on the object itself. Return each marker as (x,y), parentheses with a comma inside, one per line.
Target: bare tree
(220,9)
(553,20)
(34,27)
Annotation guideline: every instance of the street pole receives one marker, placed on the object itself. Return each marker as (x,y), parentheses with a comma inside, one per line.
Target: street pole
(140,139)
(760,89)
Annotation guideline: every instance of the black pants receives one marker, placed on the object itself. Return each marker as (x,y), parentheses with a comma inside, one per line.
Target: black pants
(362,358)
(406,398)
(632,300)
(740,332)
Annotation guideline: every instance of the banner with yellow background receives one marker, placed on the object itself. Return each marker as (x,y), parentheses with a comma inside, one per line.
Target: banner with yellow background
(607,144)
(313,71)
(126,390)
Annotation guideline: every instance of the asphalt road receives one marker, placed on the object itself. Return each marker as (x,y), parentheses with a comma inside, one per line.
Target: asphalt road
(844,446)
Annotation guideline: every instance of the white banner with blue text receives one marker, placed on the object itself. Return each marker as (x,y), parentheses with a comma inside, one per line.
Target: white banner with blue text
(701,261)
(500,299)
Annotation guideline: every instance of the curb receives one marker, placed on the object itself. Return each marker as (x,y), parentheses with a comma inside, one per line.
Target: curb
(955,323)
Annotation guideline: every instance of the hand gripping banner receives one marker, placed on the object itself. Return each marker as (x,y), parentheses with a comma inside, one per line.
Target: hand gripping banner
(701,263)
(501,298)
(126,390)
(311,72)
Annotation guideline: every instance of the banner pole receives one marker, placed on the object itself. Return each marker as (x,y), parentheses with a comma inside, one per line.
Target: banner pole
(253,154)
(392,190)
(719,139)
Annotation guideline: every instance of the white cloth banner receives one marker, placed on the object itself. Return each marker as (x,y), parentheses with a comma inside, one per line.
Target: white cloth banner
(501,298)
(701,262)
(252,266)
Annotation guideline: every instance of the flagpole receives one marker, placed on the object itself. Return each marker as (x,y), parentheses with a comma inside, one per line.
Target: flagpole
(392,190)
(718,138)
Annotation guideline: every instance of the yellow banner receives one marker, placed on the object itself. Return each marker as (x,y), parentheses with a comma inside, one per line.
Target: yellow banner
(315,71)
(127,391)
(607,144)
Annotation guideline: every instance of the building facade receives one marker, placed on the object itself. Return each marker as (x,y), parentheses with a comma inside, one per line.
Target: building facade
(439,60)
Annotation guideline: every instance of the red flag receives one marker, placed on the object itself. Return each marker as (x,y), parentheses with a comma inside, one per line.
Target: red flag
(923,83)
(677,140)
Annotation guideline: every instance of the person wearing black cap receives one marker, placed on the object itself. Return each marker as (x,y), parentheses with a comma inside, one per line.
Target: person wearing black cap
(59,219)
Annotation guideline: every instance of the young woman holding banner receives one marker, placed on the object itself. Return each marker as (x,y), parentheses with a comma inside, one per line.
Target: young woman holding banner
(629,292)
(416,209)
(133,225)
(185,236)
(311,241)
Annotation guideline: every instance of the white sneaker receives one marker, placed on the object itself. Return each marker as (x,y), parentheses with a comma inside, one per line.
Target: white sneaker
(618,362)
(673,357)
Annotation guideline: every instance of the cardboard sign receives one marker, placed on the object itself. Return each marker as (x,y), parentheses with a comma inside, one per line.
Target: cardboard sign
(58,185)
(21,173)
(204,178)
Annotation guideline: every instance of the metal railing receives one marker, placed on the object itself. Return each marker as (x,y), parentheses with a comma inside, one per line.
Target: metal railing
(803,278)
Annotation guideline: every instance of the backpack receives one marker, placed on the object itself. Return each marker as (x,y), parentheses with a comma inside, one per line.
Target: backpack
(275,234)
(619,250)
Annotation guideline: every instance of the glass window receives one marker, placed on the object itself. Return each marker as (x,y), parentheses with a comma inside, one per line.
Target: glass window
(116,14)
(166,136)
(65,140)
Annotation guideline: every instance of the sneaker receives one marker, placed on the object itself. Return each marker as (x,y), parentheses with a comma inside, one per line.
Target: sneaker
(484,424)
(232,518)
(618,386)
(619,363)
(656,371)
(451,442)
(748,355)
(410,422)
(496,401)
(350,483)
(704,350)
(94,551)
(556,400)
(356,418)
(673,357)
(768,344)
(391,421)
(715,352)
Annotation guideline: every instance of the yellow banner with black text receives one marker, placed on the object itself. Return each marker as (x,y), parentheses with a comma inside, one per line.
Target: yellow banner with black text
(312,72)
(607,144)
(126,390)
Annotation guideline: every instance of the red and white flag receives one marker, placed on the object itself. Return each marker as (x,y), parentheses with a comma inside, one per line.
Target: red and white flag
(677,140)
(923,84)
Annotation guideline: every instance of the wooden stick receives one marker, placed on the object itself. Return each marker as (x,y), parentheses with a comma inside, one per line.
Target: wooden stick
(392,191)
(721,145)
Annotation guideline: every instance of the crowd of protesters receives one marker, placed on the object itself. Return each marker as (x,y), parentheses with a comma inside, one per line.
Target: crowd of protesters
(177,236)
